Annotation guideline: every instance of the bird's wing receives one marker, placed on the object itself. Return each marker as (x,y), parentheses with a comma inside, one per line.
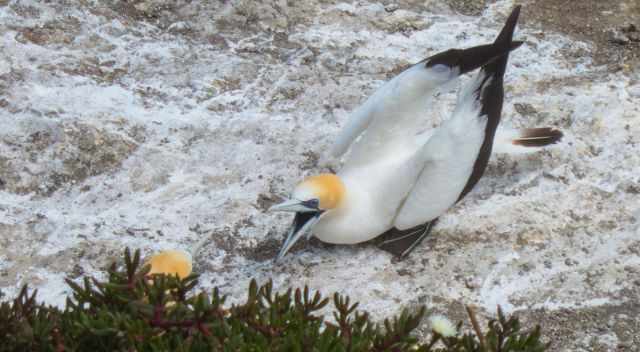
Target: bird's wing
(448,160)
(392,116)
(358,122)
(389,118)
(457,154)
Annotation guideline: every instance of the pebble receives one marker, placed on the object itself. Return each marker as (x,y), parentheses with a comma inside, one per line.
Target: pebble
(617,37)
(391,7)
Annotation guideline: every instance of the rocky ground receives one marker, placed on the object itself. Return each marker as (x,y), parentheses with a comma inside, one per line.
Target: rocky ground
(155,124)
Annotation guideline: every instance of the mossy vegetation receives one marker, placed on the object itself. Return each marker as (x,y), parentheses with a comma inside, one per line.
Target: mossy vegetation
(134,310)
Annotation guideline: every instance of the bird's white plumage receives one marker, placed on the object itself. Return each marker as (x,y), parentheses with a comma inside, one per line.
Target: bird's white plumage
(364,212)
(389,156)
(388,167)
(383,155)
(397,178)
(447,161)
(388,120)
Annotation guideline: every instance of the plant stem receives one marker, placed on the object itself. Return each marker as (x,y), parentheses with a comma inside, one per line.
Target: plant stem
(476,327)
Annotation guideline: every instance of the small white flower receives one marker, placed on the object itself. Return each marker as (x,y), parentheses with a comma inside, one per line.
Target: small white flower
(442,325)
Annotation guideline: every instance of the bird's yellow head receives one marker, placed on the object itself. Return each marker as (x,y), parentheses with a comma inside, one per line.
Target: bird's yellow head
(311,198)
(315,193)
(327,189)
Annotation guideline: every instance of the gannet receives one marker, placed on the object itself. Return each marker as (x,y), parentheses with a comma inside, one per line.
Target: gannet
(398,182)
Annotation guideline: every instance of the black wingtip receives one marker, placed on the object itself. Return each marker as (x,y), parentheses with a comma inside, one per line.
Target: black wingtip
(509,27)
(470,59)
(491,95)
(516,44)
(504,41)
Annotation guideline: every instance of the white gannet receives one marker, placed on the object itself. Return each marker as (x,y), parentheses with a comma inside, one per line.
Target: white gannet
(397,181)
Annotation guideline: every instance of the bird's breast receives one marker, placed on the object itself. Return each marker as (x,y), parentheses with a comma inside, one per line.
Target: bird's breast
(373,195)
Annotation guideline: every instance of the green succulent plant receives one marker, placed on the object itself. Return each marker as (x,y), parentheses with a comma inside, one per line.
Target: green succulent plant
(135,311)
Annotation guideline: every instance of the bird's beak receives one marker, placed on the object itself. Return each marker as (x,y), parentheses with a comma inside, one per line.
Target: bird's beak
(294,205)
(307,214)
(302,224)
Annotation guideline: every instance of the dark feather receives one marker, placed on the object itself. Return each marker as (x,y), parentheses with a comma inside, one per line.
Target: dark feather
(491,96)
(538,137)
(401,243)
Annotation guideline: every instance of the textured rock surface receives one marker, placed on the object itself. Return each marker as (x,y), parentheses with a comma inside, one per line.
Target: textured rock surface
(155,124)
